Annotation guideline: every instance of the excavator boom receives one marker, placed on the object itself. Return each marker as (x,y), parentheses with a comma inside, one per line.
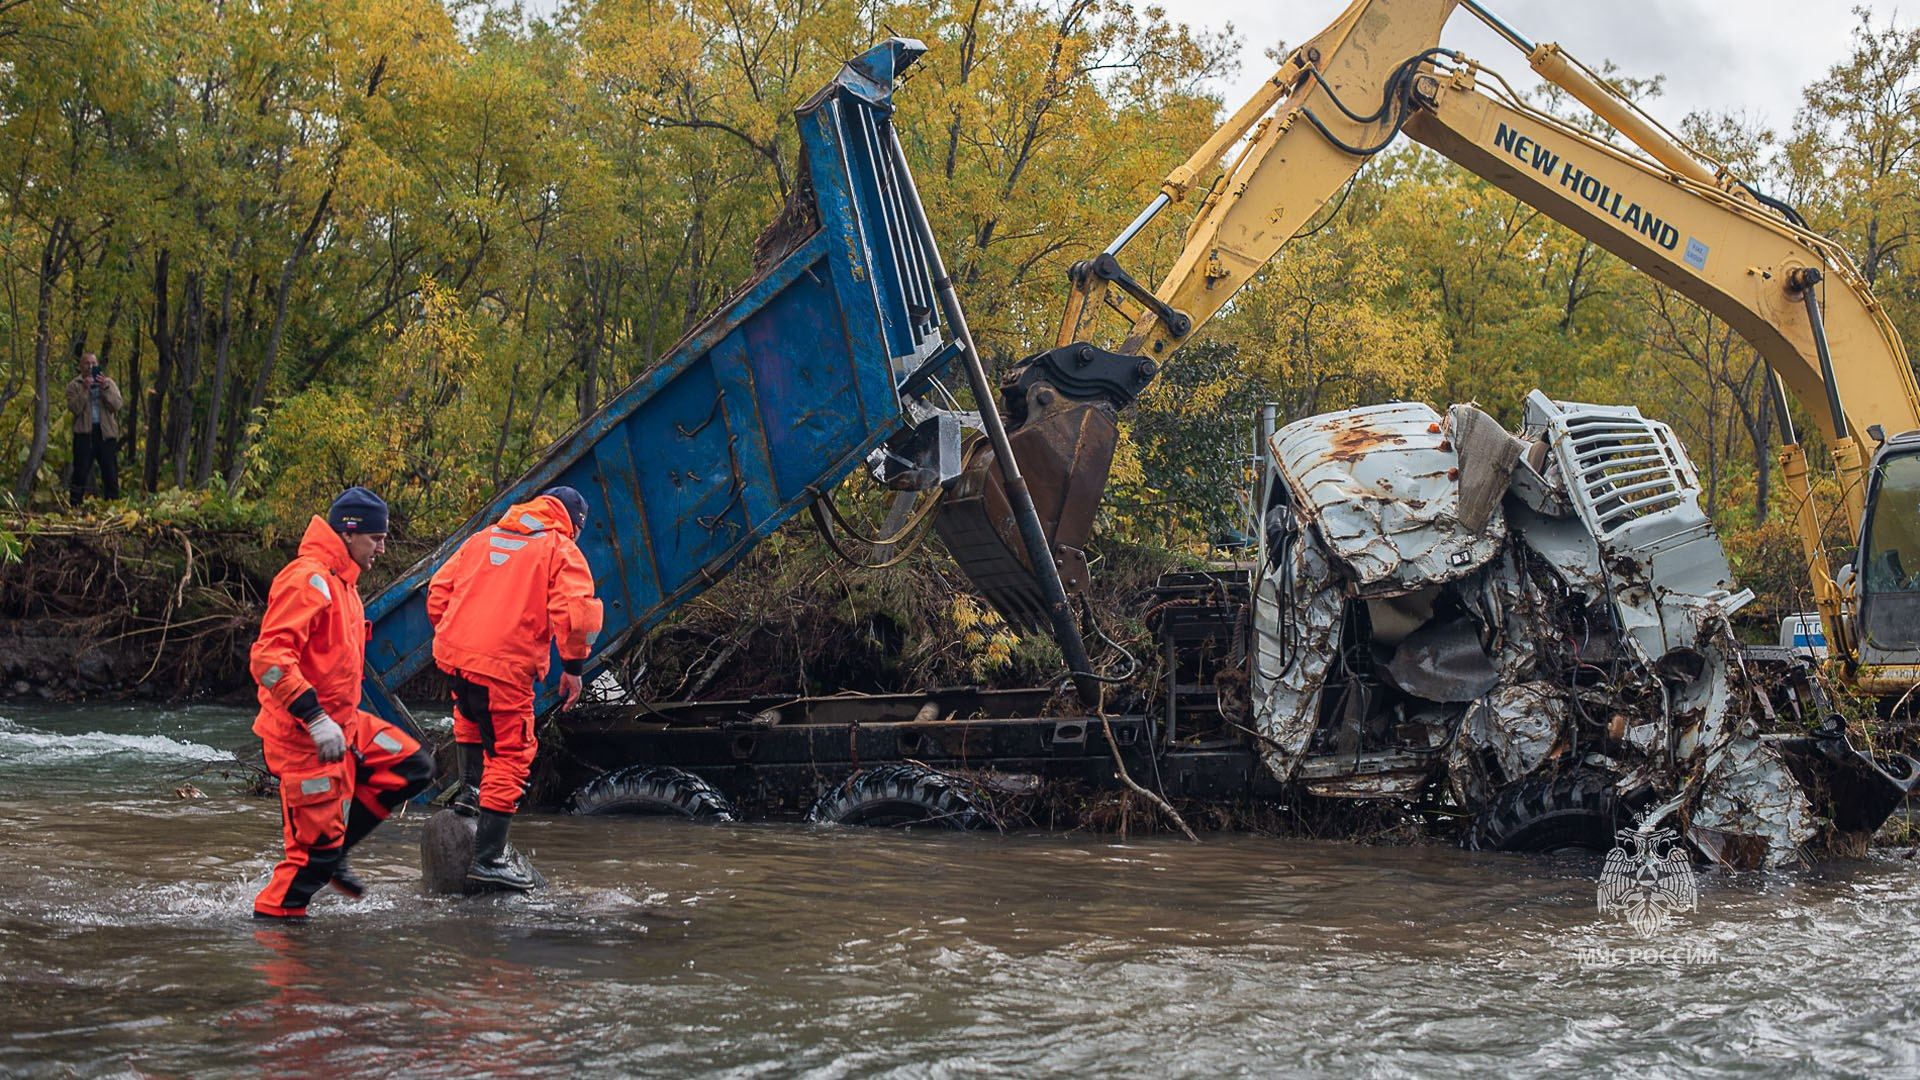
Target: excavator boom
(1675,215)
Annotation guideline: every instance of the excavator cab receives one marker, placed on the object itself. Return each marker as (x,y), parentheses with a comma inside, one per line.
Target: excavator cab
(1888,569)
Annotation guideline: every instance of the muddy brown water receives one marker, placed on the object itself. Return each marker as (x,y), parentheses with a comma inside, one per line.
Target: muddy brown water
(669,949)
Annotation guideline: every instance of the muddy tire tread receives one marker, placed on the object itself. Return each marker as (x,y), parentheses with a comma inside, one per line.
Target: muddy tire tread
(898,795)
(1574,809)
(652,789)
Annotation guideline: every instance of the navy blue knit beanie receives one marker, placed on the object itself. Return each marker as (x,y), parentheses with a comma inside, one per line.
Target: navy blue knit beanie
(357,510)
(575,503)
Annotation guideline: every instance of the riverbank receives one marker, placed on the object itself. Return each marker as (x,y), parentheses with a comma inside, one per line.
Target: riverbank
(122,605)
(161,602)
(155,600)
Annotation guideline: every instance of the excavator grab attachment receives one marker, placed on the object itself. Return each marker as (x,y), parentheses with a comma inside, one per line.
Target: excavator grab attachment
(1062,407)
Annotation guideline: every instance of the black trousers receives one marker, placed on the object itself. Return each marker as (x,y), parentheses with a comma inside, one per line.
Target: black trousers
(88,449)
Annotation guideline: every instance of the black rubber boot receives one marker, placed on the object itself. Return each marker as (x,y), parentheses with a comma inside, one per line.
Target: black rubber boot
(360,822)
(345,881)
(472,763)
(296,919)
(491,868)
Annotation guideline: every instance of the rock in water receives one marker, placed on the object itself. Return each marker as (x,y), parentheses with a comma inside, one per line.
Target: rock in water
(446,850)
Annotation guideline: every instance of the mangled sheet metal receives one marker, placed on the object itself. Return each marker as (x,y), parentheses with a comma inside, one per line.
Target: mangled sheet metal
(1294,649)
(1450,611)
(1380,486)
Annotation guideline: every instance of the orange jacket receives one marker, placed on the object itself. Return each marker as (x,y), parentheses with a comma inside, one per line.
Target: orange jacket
(512,591)
(313,638)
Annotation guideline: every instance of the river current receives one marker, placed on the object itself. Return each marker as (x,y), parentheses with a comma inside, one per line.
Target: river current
(670,949)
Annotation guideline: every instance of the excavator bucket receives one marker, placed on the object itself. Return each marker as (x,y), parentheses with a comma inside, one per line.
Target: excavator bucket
(1063,408)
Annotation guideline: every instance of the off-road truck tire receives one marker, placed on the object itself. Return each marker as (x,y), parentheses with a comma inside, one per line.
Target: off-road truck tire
(1576,810)
(897,796)
(652,789)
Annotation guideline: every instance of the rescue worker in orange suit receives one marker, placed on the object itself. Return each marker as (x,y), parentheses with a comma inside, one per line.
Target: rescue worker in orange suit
(341,771)
(499,606)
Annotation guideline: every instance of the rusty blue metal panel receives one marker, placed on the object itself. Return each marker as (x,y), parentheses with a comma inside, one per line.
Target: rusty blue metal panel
(778,395)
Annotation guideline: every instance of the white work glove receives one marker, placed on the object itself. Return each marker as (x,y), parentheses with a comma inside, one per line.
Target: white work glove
(327,738)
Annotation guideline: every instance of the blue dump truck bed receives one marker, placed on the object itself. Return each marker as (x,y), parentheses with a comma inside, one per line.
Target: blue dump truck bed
(776,397)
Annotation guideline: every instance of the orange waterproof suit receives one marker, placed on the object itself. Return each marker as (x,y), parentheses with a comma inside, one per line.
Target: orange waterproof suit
(308,660)
(499,607)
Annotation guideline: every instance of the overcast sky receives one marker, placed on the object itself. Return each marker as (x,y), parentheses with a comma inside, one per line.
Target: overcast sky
(1751,56)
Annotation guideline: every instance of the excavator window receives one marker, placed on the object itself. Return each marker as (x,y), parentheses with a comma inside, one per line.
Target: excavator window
(1893,533)
(1890,601)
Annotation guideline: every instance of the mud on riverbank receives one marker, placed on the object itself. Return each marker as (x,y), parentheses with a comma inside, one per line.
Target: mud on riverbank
(129,606)
(121,607)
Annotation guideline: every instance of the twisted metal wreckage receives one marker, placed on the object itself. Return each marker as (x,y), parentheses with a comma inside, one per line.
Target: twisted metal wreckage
(1540,621)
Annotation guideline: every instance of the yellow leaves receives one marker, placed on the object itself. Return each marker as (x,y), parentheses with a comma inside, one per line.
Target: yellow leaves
(1035,136)
(985,639)
(1335,322)
(968,614)
(1126,458)
(420,430)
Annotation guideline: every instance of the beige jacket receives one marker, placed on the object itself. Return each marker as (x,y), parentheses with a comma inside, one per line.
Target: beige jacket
(82,408)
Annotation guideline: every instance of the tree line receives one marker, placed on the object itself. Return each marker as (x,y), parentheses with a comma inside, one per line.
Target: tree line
(409,242)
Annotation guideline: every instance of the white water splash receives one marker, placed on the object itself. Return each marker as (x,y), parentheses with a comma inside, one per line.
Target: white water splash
(27,746)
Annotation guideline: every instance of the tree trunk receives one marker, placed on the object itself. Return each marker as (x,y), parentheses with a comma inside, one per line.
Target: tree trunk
(223,338)
(130,431)
(237,416)
(264,379)
(162,372)
(180,416)
(113,321)
(697,234)
(53,259)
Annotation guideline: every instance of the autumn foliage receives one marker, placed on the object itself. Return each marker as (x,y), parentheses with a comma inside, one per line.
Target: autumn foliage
(407,243)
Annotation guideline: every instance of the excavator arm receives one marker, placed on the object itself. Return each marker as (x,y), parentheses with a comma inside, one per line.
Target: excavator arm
(1296,149)
(1344,96)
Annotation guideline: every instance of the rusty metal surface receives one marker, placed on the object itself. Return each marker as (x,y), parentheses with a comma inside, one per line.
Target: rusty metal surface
(1398,775)
(1487,456)
(1750,811)
(1517,727)
(1381,486)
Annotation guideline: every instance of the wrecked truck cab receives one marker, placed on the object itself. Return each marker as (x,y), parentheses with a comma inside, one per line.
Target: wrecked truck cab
(1533,628)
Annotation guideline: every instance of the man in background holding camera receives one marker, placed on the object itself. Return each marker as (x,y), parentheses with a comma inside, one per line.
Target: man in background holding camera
(93,398)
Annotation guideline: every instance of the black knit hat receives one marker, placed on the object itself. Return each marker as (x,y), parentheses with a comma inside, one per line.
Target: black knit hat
(357,510)
(575,503)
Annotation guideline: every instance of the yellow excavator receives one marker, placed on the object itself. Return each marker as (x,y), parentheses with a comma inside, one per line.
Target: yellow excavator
(1665,208)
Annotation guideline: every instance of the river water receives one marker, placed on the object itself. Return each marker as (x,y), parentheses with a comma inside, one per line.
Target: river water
(671,949)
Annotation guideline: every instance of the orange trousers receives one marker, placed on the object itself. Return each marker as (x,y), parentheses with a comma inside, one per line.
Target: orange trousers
(498,715)
(325,808)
